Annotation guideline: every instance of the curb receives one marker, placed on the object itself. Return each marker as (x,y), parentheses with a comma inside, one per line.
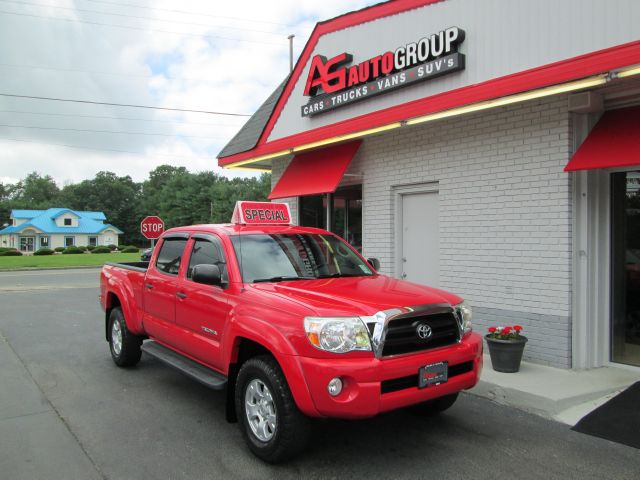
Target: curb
(36,269)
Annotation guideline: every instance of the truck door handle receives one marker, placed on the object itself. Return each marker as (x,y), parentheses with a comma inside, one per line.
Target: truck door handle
(181,295)
(149,286)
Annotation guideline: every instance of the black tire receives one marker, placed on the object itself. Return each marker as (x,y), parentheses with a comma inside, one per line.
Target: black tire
(435,406)
(130,353)
(292,428)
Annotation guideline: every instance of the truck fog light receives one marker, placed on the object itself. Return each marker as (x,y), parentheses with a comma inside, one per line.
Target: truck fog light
(335,386)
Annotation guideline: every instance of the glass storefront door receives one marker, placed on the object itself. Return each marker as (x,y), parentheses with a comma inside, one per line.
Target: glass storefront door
(345,206)
(27,244)
(625,285)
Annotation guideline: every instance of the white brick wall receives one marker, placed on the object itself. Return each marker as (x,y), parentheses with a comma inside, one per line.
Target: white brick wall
(505,211)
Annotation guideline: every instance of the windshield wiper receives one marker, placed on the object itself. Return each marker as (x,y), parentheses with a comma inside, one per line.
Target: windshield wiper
(337,275)
(281,278)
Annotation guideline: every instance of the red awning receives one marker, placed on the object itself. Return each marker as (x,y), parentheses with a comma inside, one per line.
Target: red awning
(613,142)
(315,172)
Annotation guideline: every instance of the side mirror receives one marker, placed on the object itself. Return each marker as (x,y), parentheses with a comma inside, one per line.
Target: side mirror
(207,274)
(374,262)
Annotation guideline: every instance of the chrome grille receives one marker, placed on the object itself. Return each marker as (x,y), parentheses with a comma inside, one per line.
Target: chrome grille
(402,333)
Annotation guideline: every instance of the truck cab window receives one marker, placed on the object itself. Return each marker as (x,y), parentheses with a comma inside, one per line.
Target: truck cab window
(170,255)
(210,253)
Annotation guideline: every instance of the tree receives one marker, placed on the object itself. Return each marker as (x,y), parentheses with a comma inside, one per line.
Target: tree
(117,197)
(35,192)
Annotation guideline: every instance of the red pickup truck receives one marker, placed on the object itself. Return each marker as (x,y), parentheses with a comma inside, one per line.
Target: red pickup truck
(292,323)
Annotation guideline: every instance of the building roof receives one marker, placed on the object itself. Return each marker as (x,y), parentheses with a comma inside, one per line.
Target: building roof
(44,220)
(28,214)
(250,133)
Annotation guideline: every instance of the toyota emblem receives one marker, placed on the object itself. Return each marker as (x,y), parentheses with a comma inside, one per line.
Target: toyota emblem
(423,331)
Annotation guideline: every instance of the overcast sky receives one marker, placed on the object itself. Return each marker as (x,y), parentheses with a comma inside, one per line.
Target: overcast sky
(226,56)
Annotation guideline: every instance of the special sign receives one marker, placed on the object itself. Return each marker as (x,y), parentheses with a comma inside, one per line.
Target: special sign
(430,57)
(261,213)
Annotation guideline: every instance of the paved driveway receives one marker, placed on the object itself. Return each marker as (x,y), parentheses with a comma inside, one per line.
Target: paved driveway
(66,412)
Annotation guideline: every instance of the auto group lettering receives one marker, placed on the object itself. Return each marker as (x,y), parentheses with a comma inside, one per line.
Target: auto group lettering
(340,84)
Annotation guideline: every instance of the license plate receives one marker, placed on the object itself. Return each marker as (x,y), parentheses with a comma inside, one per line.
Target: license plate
(433,374)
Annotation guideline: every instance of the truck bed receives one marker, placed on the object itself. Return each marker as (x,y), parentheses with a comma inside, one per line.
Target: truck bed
(135,266)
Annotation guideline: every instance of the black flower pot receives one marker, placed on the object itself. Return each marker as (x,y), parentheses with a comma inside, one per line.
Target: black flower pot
(506,355)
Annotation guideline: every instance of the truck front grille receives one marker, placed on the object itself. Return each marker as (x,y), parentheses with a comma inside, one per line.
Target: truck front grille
(403,333)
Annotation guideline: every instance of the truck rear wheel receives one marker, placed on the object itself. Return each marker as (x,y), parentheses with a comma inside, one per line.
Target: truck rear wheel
(124,346)
(435,406)
(271,424)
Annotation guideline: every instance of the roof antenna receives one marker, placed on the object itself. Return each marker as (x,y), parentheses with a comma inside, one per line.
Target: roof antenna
(290,37)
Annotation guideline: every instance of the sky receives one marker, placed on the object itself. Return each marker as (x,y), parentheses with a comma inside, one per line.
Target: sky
(222,56)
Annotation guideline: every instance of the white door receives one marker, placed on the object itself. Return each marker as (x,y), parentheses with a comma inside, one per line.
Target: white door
(420,244)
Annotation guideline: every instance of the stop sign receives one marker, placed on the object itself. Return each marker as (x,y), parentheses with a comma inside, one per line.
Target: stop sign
(152,227)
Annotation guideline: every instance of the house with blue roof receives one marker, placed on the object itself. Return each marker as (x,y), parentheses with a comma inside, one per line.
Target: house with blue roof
(31,230)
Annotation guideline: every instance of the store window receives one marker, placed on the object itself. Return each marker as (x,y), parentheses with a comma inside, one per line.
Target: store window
(69,241)
(346,213)
(93,241)
(44,242)
(625,285)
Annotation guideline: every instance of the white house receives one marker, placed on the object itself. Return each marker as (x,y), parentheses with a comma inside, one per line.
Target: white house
(31,230)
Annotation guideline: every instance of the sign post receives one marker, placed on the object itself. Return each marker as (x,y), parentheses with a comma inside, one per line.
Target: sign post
(152,227)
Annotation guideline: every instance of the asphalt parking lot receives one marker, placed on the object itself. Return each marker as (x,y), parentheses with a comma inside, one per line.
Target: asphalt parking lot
(67,412)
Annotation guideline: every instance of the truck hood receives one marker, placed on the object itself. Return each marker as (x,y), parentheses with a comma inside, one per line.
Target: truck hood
(356,296)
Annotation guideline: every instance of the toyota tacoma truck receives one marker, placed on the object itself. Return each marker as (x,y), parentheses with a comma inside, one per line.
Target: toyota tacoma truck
(291,323)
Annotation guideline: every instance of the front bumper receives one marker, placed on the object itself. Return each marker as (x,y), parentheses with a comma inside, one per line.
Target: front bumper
(376,385)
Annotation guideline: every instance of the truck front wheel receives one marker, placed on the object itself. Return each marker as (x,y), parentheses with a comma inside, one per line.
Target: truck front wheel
(271,424)
(124,346)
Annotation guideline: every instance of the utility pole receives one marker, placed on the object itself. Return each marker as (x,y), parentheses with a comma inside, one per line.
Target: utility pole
(290,37)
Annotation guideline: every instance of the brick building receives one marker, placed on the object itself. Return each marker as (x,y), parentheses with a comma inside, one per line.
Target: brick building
(490,148)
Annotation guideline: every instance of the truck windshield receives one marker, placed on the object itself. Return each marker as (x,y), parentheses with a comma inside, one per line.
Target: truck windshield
(296,256)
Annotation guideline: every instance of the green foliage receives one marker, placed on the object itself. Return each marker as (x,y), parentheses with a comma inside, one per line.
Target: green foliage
(174,194)
(6,249)
(112,247)
(71,251)
(59,249)
(91,247)
(101,249)
(83,248)
(129,250)
(43,251)
(11,253)
(117,197)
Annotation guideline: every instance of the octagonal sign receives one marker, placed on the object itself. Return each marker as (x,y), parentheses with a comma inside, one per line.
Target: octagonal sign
(152,227)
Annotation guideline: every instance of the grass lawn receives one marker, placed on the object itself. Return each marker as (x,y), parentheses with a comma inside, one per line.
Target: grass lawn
(62,261)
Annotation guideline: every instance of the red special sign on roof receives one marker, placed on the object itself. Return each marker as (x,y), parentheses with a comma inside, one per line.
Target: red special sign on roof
(261,213)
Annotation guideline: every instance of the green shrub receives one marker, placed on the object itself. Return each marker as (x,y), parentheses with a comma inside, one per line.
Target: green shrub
(6,249)
(71,251)
(59,249)
(83,248)
(11,253)
(44,251)
(101,249)
(129,250)
(112,247)
(91,247)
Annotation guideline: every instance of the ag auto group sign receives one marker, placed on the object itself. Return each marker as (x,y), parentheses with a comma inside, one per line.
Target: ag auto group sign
(334,82)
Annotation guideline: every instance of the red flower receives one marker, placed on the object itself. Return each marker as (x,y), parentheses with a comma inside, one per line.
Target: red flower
(506,331)
(492,329)
(517,328)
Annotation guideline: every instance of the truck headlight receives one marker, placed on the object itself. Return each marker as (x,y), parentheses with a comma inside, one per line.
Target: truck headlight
(337,334)
(463,311)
